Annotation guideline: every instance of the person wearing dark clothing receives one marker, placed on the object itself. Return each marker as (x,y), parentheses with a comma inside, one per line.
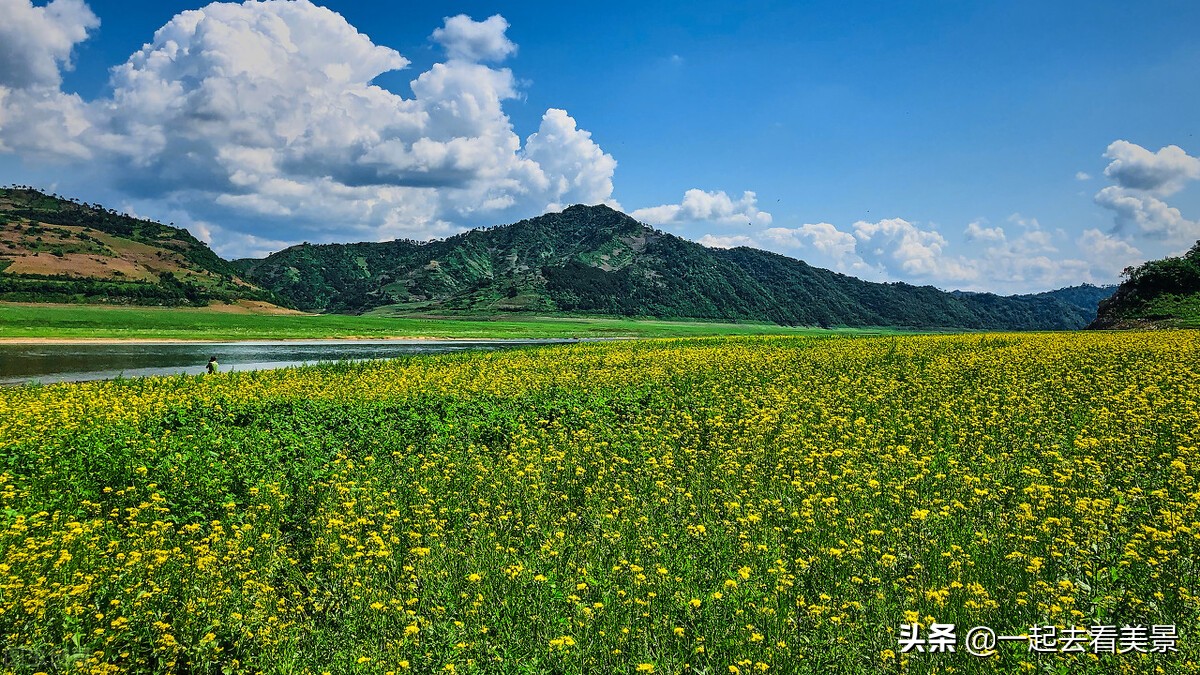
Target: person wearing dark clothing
(212,365)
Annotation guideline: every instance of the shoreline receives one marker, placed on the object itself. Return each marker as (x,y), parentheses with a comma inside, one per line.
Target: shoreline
(343,338)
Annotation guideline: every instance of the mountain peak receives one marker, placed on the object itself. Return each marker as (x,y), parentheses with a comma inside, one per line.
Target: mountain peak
(595,218)
(595,209)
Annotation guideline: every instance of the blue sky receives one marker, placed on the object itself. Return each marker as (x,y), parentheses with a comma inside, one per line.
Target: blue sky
(1008,147)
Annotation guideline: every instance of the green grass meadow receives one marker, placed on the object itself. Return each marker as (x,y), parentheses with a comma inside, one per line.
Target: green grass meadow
(175,323)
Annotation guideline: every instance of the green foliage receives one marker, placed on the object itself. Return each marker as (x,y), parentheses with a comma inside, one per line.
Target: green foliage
(1159,292)
(777,505)
(594,260)
(331,277)
(588,260)
(169,291)
(1085,297)
(214,281)
(37,206)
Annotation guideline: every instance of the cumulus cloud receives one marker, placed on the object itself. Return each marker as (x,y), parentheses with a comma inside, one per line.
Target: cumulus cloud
(1021,256)
(43,124)
(469,40)
(1107,254)
(977,232)
(1037,241)
(35,42)
(1136,168)
(234,244)
(231,98)
(1141,213)
(1141,179)
(1082,175)
(1029,262)
(1024,222)
(574,166)
(1028,259)
(900,247)
(890,249)
(699,206)
(266,112)
(823,237)
(726,241)
(1004,270)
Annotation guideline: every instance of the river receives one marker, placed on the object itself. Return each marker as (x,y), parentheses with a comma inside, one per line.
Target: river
(78,362)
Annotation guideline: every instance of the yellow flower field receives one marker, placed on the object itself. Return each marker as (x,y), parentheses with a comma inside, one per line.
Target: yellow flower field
(733,505)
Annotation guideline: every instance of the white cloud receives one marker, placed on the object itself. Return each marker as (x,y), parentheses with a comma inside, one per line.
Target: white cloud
(265,112)
(1163,172)
(1141,178)
(1020,257)
(1036,241)
(905,250)
(726,241)
(1000,263)
(823,237)
(1024,222)
(1107,254)
(898,250)
(977,232)
(786,237)
(699,206)
(43,124)
(233,244)
(1082,175)
(890,249)
(1142,214)
(576,169)
(36,41)
(468,40)
(657,215)
(1005,271)
(1025,263)
(199,229)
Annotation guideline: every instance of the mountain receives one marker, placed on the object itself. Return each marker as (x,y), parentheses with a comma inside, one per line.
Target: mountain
(1085,298)
(58,250)
(595,260)
(1158,294)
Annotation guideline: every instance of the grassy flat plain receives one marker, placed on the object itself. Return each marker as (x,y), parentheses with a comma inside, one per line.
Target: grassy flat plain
(716,505)
(176,323)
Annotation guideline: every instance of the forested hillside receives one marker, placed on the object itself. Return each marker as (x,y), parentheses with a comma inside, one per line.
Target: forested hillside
(53,249)
(595,260)
(1158,294)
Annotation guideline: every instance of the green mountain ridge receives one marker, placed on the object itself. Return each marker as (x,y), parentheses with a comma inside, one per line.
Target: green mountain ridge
(585,260)
(595,260)
(54,249)
(1157,294)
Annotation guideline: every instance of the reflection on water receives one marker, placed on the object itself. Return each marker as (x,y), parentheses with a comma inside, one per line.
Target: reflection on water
(20,363)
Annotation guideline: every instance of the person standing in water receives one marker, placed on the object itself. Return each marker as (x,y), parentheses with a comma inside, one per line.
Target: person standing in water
(212,365)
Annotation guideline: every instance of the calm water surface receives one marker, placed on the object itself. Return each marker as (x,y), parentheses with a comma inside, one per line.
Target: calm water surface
(21,363)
